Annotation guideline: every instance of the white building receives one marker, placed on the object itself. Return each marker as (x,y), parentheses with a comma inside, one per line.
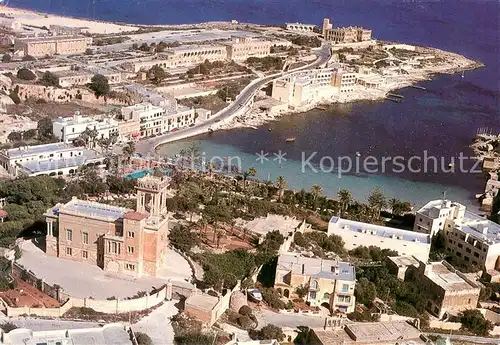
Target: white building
(155,120)
(67,129)
(49,159)
(300,27)
(356,234)
(470,238)
(241,48)
(110,334)
(303,87)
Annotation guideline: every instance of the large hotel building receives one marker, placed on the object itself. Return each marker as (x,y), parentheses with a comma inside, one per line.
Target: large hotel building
(62,45)
(114,238)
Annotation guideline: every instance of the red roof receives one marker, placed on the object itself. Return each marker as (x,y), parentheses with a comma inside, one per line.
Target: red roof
(134,215)
(3,213)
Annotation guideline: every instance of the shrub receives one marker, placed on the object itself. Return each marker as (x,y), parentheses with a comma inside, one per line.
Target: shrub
(6,58)
(244,321)
(25,74)
(143,339)
(301,291)
(475,322)
(272,297)
(245,310)
(268,332)
(7,326)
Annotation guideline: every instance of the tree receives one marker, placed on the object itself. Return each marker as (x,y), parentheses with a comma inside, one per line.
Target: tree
(8,326)
(475,322)
(281,185)
(157,74)
(89,51)
(28,58)
(25,74)
(15,136)
(268,332)
(99,84)
(50,79)
(44,128)
(377,201)
(14,95)
(143,339)
(129,149)
(6,58)
(345,199)
(365,292)
(272,242)
(183,238)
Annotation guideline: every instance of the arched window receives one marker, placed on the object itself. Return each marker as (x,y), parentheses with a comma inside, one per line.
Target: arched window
(314,284)
(326,296)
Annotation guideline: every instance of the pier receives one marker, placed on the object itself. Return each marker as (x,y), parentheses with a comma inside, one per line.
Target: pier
(418,87)
(394,95)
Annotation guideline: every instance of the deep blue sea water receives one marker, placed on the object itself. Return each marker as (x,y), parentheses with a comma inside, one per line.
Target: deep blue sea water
(442,120)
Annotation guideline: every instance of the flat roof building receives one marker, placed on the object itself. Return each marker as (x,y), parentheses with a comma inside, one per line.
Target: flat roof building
(471,239)
(349,34)
(110,334)
(67,129)
(62,45)
(54,159)
(356,234)
(328,281)
(241,48)
(116,239)
(368,333)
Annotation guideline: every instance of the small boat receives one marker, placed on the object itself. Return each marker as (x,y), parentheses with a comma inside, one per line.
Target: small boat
(210,130)
(451,165)
(269,129)
(358,154)
(290,140)
(463,74)
(253,127)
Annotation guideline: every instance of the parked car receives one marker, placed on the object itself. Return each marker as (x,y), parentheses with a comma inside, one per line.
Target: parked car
(254,295)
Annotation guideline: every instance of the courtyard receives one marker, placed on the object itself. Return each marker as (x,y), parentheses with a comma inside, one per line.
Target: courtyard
(81,280)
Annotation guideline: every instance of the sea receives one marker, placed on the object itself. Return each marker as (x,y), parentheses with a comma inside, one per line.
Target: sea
(439,122)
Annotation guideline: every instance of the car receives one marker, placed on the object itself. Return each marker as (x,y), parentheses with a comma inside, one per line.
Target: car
(174,129)
(254,295)
(191,125)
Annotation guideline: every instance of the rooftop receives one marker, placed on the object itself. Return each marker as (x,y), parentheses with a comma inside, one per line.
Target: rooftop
(480,228)
(316,268)
(111,334)
(392,332)
(404,261)
(202,301)
(380,231)
(283,224)
(440,275)
(194,48)
(26,151)
(48,165)
(91,209)
(53,38)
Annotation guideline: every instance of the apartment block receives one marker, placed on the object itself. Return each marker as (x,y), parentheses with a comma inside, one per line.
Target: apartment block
(328,282)
(155,120)
(62,45)
(356,234)
(469,238)
(241,48)
(69,78)
(303,87)
(116,239)
(67,129)
(445,289)
(54,159)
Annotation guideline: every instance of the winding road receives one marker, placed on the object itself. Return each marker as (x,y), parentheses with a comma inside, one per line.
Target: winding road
(148,146)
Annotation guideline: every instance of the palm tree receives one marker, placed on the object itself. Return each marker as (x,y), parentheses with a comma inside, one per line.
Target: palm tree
(246,174)
(316,191)
(281,185)
(345,199)
(393,203)
(377,201)
(129,150)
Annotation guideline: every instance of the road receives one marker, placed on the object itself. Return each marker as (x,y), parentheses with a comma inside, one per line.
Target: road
(148,146)
(468,338)
(265,317)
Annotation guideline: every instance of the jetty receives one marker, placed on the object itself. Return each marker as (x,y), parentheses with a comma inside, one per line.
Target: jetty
(395,95)
(418,87)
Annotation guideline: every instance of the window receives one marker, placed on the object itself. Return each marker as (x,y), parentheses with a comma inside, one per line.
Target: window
(69,251)
(460,245)
(85,254)
(130,249)
(312,295)
(345,288)
(314,284)
(69,235)
(130,267)
(113,247)
(130,234)
(86,238)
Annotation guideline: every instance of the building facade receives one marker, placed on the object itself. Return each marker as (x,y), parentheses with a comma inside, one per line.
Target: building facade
(241,48)
(113,238)
(54,159)
(303,87)
(67,129)
(471,239)
(62,45)
(356,234)
(349,34)
(69,78)
(327,281)
(300,27)
(445,289)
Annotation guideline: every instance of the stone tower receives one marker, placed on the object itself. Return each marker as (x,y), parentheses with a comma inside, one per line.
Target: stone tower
(152,195)
(326,26)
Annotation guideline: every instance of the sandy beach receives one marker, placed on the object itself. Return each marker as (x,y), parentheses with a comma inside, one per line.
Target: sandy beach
(33,18)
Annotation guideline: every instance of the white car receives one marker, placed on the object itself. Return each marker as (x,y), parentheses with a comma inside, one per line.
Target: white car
(254,295)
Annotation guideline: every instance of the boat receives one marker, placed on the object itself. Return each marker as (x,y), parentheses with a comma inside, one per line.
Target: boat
(290,140)
(253,127)
(463,74)
(210,130)
(451,165)
(358,154)
(269,129)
